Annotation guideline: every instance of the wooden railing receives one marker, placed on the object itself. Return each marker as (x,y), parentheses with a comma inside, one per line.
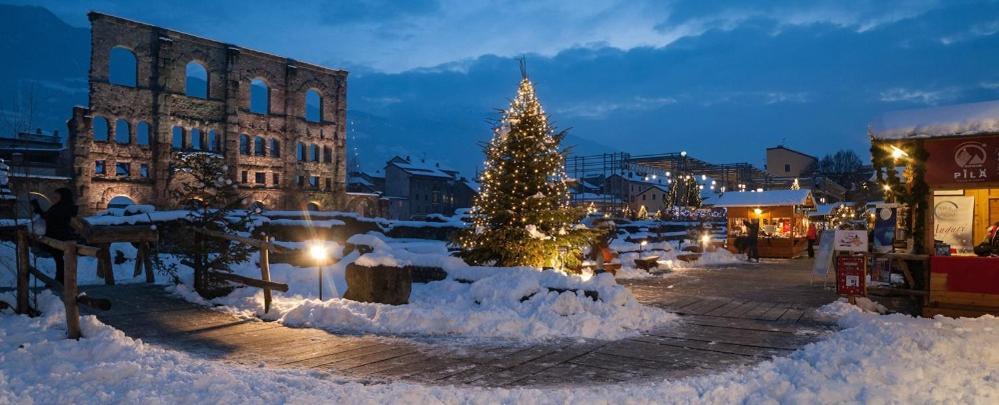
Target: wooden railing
(67,288)
(266,245)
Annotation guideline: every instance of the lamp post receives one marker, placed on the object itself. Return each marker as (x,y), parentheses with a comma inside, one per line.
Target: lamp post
(318,252)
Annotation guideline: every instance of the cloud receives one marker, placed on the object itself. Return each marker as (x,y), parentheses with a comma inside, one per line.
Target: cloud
(928,97)
(600,110)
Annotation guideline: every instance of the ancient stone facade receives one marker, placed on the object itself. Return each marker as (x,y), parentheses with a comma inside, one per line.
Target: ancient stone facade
(283,154)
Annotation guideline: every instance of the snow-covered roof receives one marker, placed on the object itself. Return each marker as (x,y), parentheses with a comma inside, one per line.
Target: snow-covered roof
(952,120)
(358,180)
(825,209)
(423,168)
(765,198)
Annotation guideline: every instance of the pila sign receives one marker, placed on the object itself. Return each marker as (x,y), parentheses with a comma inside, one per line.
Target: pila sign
(962,160)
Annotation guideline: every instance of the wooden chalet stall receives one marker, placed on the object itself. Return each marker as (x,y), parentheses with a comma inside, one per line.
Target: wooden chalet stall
(950,187)
(782,218)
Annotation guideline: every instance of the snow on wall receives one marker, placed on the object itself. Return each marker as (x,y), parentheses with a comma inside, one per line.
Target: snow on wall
(952,120)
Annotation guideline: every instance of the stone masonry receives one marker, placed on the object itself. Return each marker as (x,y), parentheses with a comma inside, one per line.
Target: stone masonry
(274,155)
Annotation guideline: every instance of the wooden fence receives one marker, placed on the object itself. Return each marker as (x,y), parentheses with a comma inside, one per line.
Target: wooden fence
(265,245)
(66,288)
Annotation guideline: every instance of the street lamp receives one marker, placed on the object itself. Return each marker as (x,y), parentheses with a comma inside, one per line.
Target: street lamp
(317,249)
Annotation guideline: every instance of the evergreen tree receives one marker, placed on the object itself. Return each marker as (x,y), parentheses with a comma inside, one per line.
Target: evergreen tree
(199,184)
(522,215)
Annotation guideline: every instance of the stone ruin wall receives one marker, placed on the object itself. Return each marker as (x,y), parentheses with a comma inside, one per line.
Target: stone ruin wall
(159,99)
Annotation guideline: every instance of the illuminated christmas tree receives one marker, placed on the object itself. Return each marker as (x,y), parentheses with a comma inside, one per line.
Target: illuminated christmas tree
(522,214)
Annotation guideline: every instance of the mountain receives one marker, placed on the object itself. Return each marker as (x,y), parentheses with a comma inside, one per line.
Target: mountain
(45,68)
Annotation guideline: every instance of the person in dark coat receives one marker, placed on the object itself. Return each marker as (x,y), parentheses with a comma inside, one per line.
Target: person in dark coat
(752,240)
(57,224)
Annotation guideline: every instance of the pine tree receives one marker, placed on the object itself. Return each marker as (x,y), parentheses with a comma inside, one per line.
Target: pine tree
(199,184)
(522,214)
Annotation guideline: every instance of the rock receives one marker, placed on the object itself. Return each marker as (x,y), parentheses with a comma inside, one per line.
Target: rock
(379,284)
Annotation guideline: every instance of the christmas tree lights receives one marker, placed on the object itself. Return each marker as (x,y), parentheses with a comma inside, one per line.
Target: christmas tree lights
(522,214)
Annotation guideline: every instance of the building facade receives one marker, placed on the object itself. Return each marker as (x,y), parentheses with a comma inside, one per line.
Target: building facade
(155,92)
(416,188)
(785,162)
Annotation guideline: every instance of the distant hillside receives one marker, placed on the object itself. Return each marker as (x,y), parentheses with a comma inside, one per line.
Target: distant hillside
(49,59)
(45,60)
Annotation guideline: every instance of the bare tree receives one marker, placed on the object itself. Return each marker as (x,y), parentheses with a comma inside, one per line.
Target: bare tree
(19,114)
(843,167)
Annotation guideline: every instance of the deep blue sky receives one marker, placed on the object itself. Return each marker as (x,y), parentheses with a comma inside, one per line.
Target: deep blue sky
(721,79)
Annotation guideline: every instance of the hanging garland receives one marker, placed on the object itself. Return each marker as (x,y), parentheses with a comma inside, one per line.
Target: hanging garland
(914,194)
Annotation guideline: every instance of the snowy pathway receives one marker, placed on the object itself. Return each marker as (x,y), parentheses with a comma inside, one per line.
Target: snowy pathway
(720,330)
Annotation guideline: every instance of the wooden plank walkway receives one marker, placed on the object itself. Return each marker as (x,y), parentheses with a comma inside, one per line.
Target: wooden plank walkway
(715,333)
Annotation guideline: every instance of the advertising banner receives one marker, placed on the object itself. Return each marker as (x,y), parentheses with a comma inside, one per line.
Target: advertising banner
(850,275)
(966,160)
(953,218)
(885,221)
(850,241)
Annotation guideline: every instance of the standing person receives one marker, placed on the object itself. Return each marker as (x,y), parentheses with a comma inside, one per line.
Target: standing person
(812,235)
(57,226)
(752,240)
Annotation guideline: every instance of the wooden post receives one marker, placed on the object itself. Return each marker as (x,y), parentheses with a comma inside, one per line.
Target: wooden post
(265,271)
(69,292)
(147,261)
(104,261)
(22,271)
(139,259)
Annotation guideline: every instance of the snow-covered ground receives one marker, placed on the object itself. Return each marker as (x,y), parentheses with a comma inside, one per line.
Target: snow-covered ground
(874,359)
(475,303)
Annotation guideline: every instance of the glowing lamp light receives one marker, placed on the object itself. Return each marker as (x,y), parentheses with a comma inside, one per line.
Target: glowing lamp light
(897,153)
(887,187)
(706,239)
(683,153)
(318,251)
(757,211)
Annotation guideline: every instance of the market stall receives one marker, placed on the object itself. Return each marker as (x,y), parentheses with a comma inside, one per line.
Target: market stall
(948,196)
(781,214)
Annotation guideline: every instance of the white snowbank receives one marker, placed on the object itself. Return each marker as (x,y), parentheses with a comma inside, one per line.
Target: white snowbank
(473,302)
(876,359)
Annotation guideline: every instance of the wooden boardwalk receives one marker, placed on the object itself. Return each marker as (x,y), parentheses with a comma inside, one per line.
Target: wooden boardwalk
(718,331)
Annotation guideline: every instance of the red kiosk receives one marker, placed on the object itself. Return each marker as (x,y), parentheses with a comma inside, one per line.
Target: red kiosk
(950,190)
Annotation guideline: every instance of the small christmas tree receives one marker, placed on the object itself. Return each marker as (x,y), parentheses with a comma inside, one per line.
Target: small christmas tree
(522,214)
(199,184)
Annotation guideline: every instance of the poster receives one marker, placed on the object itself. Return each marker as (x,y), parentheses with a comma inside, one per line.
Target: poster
(850,241)
(850,275)
(953,218)
(885,221)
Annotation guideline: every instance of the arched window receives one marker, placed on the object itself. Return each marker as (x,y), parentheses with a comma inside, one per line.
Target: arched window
(197,143)
(259,146)
(275,148)
(244,144)
(314,153)
(213,141)
(177,141)
(142,133)
(123,68)
(121,132)
(260,96)
(312,206)
(120,202)
(100,129)
(197,80)
(313,106)
(301,152)
(327,154)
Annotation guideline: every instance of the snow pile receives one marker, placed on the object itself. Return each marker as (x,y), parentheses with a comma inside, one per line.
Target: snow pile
(86,265)
(473,302)
(876,359)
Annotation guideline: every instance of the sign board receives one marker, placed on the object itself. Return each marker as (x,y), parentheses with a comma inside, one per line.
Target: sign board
(851,277)
(850,241)
(885,221)
(953,218)
(966,160)
(824,253)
